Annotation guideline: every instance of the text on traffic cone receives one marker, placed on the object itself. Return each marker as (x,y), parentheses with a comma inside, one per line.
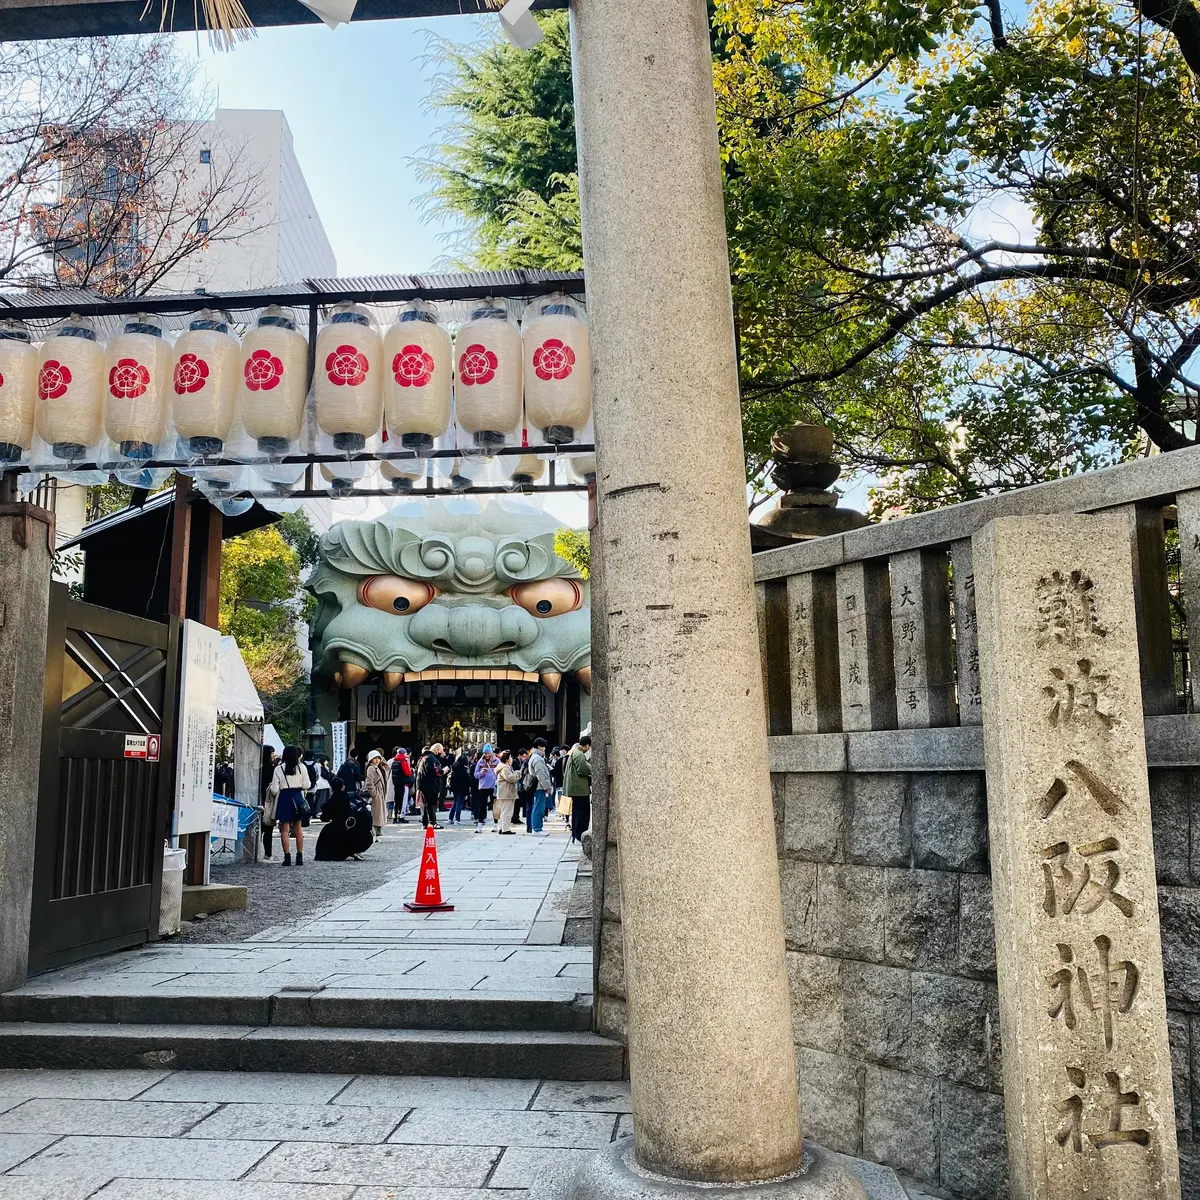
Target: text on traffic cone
(429,884)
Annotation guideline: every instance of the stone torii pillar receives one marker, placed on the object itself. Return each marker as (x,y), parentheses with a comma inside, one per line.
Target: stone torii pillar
(710,1034)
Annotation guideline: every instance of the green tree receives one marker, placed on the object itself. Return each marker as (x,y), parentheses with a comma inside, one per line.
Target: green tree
(507,161)
(964,239)
(262,606)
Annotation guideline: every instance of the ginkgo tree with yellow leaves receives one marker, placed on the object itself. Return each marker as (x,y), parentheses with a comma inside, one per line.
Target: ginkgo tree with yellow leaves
(963,234)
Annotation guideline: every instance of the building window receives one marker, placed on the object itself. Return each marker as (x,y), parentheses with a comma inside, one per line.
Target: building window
(202,225)
(206,156)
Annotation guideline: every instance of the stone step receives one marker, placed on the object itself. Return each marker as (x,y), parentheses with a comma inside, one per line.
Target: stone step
(325,1007)
(312,1049)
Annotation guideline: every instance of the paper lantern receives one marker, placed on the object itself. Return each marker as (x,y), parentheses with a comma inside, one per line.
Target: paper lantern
(204,383)
(138,366)
(70,389)
(274,381)
(487,391)
(582,468)
(342,477)
(18,389)
(529,470)
(347,380)
(403,475)
(558,368)
(418,369)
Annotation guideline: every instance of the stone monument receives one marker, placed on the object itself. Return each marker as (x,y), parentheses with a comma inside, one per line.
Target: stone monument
(803,470)
(1087,1068)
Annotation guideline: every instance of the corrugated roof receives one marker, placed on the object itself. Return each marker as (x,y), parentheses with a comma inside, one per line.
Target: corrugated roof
(452,292)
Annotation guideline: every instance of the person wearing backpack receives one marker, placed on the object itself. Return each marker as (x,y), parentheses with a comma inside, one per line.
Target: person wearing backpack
(430,782)
(289,788)
(537,776)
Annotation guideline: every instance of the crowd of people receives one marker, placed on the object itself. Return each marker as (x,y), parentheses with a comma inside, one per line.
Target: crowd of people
(515,789)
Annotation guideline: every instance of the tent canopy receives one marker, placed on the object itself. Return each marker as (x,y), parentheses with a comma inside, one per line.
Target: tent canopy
(237,697)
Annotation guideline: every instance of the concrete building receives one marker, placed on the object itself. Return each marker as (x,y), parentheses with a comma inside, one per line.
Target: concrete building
(283,237)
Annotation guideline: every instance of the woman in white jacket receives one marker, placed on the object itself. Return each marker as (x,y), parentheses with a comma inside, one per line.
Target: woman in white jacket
(289,786)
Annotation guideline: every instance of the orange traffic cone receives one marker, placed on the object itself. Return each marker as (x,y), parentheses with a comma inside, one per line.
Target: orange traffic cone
(429,885)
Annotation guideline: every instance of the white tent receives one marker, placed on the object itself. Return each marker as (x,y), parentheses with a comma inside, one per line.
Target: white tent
(237,697)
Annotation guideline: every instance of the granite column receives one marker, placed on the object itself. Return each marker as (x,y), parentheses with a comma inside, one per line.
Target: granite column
(710,1043)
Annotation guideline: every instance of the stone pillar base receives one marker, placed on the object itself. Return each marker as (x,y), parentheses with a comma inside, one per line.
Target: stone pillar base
(612,1175)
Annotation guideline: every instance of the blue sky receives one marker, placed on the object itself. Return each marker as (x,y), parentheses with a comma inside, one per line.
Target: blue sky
(356,99)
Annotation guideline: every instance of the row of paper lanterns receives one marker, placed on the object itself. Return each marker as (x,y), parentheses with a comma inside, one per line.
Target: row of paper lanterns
(75,393)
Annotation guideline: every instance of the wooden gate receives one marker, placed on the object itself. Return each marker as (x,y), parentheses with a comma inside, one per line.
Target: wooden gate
(102,817)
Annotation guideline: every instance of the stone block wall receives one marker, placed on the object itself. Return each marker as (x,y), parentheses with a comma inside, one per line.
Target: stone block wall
(891,956)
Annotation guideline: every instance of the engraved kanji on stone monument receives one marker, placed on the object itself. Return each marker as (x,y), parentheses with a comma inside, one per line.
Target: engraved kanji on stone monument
(966,634)
(812,631)
(1087,1069)
(925,683)
(864,628)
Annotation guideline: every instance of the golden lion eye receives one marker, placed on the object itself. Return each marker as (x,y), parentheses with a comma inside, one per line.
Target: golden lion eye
(548,597)
(392,593)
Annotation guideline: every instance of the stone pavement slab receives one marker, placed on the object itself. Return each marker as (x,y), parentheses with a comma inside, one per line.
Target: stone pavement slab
(17,1147)
(591,1096)
(159,1189)
(385,1166)
(249,1087)
(401,1092)
(500,1127)
(521,1165)
(78,1085)
(300,1123)
(15,1188)
(135,1118)
(144,1158)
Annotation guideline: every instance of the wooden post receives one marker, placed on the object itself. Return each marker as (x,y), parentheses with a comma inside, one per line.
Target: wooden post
(181,538)
(211,598)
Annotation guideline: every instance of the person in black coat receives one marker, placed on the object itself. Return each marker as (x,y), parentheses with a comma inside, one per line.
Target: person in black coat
(431,783)
(351,774)
(347,832)
(461,779)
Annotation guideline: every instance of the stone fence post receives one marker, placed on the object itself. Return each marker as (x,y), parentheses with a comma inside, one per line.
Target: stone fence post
(1087,1068)
(26,551)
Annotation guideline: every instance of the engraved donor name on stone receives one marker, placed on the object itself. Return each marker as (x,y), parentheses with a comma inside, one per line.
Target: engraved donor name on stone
(1108,990)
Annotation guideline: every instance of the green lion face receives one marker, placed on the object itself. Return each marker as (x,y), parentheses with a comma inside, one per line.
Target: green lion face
(449,589)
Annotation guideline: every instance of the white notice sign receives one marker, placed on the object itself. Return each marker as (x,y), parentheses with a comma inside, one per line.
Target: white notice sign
(341,733)
(224,821)
(199,682)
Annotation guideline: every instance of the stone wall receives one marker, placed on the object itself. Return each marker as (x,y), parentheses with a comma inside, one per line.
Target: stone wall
(888,924)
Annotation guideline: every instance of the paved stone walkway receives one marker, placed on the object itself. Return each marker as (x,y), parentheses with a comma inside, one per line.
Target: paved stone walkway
(157,1135)
(503,938)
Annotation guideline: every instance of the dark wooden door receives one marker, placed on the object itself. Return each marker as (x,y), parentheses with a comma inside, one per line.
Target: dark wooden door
(102,817)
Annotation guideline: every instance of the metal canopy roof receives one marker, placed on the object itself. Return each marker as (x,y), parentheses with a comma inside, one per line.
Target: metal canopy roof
(453,293)
(25,20)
